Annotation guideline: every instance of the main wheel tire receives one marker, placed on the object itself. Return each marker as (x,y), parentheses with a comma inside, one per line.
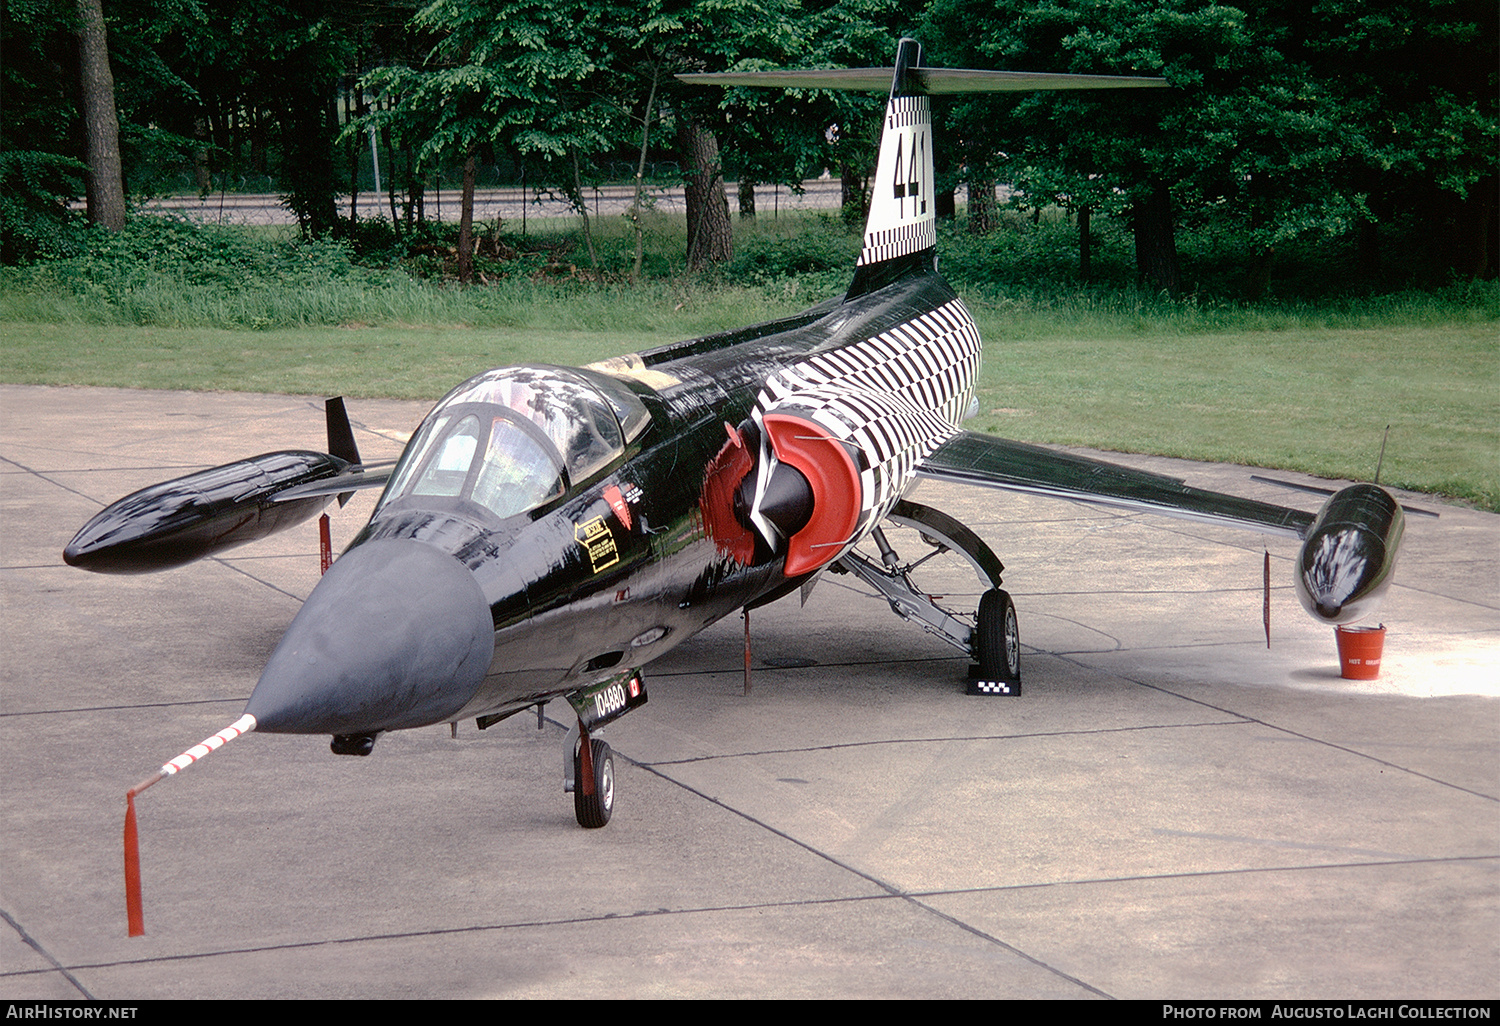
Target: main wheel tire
(593,810)
(997,641)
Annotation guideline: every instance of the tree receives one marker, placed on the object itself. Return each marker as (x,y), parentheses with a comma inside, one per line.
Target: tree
(1142,143)
(40,169)
(1414,87)
(564,85)
(209,81)
(710,234)
(1299,119)
(190,81)
(852,34)
(286,59)
(106,187)
(713,36)
(530,79)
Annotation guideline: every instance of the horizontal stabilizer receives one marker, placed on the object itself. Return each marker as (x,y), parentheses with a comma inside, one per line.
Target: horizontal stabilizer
(932,81)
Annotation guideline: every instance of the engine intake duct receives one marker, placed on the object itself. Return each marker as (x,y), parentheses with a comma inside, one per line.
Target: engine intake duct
(787,501)
(832,479)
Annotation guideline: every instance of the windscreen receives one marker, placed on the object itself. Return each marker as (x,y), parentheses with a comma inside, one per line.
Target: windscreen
(509,440)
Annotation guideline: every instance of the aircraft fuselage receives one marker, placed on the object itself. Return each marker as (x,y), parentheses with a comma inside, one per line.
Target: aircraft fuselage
(611,574)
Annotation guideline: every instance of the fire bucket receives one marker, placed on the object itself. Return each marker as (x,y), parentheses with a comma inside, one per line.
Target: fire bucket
(1359,651)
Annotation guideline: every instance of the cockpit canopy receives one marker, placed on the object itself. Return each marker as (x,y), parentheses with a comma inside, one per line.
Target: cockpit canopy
(514,438)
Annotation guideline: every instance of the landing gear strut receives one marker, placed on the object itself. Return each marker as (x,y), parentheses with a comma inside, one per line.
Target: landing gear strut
(980,622)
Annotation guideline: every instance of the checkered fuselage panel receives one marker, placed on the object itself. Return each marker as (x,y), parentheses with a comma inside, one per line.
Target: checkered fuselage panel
(892,398)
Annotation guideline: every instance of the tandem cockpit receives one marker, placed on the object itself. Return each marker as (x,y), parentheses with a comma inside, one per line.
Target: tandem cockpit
(514,439)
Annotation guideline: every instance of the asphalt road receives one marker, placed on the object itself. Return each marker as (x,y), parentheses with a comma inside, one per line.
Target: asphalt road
(1169,810)
(511,205)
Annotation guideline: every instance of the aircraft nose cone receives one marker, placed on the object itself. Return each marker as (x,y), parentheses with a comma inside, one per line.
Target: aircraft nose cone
(396,634)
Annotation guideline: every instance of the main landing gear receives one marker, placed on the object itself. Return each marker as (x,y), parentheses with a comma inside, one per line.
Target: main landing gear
(997,646)
(978,621)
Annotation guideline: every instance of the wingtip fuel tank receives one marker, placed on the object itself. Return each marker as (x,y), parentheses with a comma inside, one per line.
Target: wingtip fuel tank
(187,518)
(1349,554)
(175,522)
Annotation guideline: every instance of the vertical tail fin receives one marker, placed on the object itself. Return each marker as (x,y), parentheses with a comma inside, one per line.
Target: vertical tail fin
(901,231)
(901,228)
(340,437)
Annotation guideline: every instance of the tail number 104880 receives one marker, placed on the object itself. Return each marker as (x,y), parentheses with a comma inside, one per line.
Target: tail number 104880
(610,699)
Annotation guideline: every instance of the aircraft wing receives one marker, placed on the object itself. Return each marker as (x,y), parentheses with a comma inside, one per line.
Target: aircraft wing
(986,461)
(351,479)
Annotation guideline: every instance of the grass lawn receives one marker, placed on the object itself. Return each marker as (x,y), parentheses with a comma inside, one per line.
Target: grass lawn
(1306,397)
(1315,400)
(1299,383)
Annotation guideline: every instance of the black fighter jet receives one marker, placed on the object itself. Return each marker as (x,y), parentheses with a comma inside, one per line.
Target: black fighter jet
(549,531)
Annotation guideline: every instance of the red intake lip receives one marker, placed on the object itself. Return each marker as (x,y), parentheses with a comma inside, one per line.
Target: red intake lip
(836,488)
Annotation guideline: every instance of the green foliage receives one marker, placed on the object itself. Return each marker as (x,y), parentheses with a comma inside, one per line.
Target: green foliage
(1301,121)
(40,165)
(196,85)
(202,254)
(168,272)
(771,252)
(35,221)
(171,272)
(160,270)
(541,81)
(1034,253)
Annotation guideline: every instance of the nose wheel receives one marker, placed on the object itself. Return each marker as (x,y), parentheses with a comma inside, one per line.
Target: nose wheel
(593,782)
(588,764)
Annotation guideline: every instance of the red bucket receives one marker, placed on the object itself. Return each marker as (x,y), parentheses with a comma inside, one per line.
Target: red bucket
(1359,651)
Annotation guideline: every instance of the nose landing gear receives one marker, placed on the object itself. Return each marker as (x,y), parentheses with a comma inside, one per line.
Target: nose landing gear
(594,792)
(589,774)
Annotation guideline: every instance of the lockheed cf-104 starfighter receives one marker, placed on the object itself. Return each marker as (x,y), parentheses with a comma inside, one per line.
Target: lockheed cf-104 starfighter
(549,531)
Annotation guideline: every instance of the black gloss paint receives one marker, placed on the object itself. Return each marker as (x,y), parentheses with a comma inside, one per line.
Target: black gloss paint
(200,514)
(620,563)
(1347,561)
(550,530)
